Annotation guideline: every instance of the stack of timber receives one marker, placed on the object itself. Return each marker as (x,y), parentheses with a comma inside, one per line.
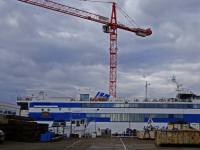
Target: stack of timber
(18,128)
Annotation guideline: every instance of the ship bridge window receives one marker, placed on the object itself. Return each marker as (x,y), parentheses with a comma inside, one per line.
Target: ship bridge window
(24,106)
(84,96)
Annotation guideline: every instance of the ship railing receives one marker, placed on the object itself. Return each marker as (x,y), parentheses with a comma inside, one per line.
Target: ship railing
(24,98)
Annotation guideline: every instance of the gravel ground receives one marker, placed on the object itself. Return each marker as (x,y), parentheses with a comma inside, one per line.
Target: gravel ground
(90,144)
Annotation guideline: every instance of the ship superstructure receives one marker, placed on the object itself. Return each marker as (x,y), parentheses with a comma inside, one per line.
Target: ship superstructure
(105,111)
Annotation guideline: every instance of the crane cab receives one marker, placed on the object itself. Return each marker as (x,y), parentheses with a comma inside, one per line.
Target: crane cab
(106,29)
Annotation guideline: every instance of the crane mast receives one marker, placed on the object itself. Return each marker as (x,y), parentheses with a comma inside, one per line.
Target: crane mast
(110,26)
(113,52)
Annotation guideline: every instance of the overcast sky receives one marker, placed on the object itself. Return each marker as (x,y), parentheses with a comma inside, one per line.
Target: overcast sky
(43,49)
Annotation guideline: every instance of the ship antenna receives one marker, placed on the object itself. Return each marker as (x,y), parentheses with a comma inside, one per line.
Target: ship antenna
(146,89)
(18,94)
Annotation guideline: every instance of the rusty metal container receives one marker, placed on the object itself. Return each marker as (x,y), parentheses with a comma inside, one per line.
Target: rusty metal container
(147,134)
(177,137)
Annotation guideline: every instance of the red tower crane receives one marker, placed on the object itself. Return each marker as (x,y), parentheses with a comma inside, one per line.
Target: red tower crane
(110,26)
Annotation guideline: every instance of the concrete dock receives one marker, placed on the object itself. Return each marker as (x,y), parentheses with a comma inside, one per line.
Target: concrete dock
(91,144)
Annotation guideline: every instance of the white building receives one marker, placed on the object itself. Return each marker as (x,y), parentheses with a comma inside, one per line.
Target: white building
(9,109)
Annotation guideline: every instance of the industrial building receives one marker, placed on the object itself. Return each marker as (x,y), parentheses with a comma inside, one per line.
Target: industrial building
(9,109)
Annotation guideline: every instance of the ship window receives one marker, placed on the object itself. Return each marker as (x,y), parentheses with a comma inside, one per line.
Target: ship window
(84,105)
(131,105)
(137,118)
(146,116)
(73,122)
(176,116)
(48,109)
(97,105)
(161,105)
(136,106)
(117,105)
(114,117)
(9,112)
(112,105)
(88,105)
(103,105)
(92,115)
(175,105)
(151,116)
(82,121)
(190,106)
(185,106)
(98,115)
(32,94)
(42,109)
(160,116)
(5,112)
(195,106)
(155,106)
(108,105)
(126,105)
(85,96)
(93,105)
(131,117)
(198,106)
(59,108)
(87,115)
(171,116)
(24,106)
(165,116)
(122,105)
(151,105)
(141,105)
(103,115)
(180,116)
(1,111)
(121,116)
(165,105)
(141,117)
(14,112)
(107,115)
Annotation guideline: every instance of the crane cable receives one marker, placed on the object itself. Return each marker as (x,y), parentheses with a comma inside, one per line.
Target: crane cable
(127,17)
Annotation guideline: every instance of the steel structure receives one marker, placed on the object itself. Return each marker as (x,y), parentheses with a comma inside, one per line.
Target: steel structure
(110,23)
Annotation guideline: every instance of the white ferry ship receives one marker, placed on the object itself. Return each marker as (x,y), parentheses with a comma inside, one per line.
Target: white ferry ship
(104,111)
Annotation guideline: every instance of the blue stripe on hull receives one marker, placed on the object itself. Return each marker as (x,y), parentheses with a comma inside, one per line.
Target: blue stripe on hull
(66,116)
